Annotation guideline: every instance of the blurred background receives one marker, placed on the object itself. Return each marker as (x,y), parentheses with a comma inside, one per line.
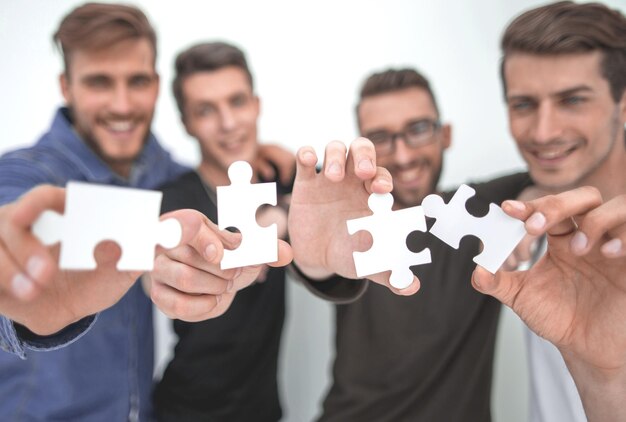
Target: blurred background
(308,59)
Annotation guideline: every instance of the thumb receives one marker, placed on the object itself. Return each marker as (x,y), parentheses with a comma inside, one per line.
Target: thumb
(504,285)
(285,254)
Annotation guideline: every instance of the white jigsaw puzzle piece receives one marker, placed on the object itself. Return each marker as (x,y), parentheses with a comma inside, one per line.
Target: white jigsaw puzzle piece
(499,233)
(94,213)
(389,230)
(237,205)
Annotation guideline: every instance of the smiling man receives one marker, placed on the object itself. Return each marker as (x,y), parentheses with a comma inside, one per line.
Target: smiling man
(226,368)
(102,135)
(564,77)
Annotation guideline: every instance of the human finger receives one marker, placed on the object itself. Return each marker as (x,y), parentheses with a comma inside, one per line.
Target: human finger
(306,159)
(190,308)
(361,158)
(606,225)
(502,285)
(553,214)
(382,182)
(335,161)
(192,279)
(32,259)
(285,254)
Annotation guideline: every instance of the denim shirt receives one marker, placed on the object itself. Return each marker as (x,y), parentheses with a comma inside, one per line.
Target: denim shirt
(107,374)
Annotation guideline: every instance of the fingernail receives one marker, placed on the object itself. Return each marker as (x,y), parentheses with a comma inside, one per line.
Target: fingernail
(612,247)
(210,252)
(384,182)
(22,286)
(578,244)
(333,168)
(516,205)
(308,156)
(366,164)
(476,283)
(536,221)
(35,267)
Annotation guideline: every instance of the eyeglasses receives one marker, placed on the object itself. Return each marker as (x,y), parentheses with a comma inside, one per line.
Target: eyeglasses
(415,135)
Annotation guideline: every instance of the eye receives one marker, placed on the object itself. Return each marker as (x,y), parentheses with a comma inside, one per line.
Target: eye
(239,100)
(573,100)
(378,137)
(204,110)
(97,82)
(521,105)
(140,81)
(419,128)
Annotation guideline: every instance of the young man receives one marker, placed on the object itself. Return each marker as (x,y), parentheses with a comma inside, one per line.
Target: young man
(223,369)
(564,77)
(444,336)
(103,135)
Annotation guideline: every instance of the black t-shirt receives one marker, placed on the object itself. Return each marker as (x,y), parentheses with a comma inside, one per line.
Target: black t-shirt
(224,369)
(425,357)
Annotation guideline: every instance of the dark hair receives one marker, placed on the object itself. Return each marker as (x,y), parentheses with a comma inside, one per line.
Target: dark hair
(392,80)
(97,26)
(565,28)
(206,57)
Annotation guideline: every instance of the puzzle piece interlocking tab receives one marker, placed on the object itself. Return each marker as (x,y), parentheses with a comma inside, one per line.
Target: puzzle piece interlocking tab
(498,232)
(389,230)
(237,205)
(94,213)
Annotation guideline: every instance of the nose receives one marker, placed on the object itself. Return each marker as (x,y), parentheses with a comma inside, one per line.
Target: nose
(121,102)
(402,153)
(547,126)
(227,119)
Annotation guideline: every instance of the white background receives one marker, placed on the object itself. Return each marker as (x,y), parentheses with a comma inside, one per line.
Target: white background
(309,59)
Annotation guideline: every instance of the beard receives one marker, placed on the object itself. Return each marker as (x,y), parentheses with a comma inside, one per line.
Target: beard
(414,197)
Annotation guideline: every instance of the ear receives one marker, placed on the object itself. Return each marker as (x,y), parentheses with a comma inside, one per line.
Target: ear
(65,89)
(446,135)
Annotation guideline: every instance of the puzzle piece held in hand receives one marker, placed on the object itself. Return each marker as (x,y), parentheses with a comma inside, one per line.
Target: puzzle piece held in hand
(498,232)
(237,205)
(389,230)
(94,213)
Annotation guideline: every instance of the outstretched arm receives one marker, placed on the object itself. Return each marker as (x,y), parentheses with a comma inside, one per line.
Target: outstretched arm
(575,296)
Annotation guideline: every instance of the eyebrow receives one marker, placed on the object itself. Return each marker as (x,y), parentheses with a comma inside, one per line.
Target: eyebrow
(558,94)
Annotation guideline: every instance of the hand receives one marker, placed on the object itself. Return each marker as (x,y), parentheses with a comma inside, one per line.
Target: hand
(187,282)
(322,202)
(33,291)
(575,296)
(271,157)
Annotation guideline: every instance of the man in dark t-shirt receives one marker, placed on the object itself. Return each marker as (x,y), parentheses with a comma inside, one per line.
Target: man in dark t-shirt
(223,369)
(428,356)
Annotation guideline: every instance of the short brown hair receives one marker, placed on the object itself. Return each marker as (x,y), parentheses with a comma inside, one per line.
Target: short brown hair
(96,26)
(392,80)
(565,28)
(206,57)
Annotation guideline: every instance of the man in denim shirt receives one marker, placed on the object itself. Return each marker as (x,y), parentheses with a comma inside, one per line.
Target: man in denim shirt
(103,136)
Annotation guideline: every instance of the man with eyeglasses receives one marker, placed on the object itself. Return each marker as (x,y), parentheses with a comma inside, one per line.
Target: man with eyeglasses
(427,356)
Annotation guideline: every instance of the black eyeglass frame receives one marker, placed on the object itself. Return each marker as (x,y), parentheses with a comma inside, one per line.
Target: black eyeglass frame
(387,146)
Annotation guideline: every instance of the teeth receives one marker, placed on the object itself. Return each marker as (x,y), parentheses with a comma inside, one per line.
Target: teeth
(549,155)
(120,126)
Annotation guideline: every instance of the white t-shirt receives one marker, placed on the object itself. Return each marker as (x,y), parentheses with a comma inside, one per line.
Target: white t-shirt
(553,394)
